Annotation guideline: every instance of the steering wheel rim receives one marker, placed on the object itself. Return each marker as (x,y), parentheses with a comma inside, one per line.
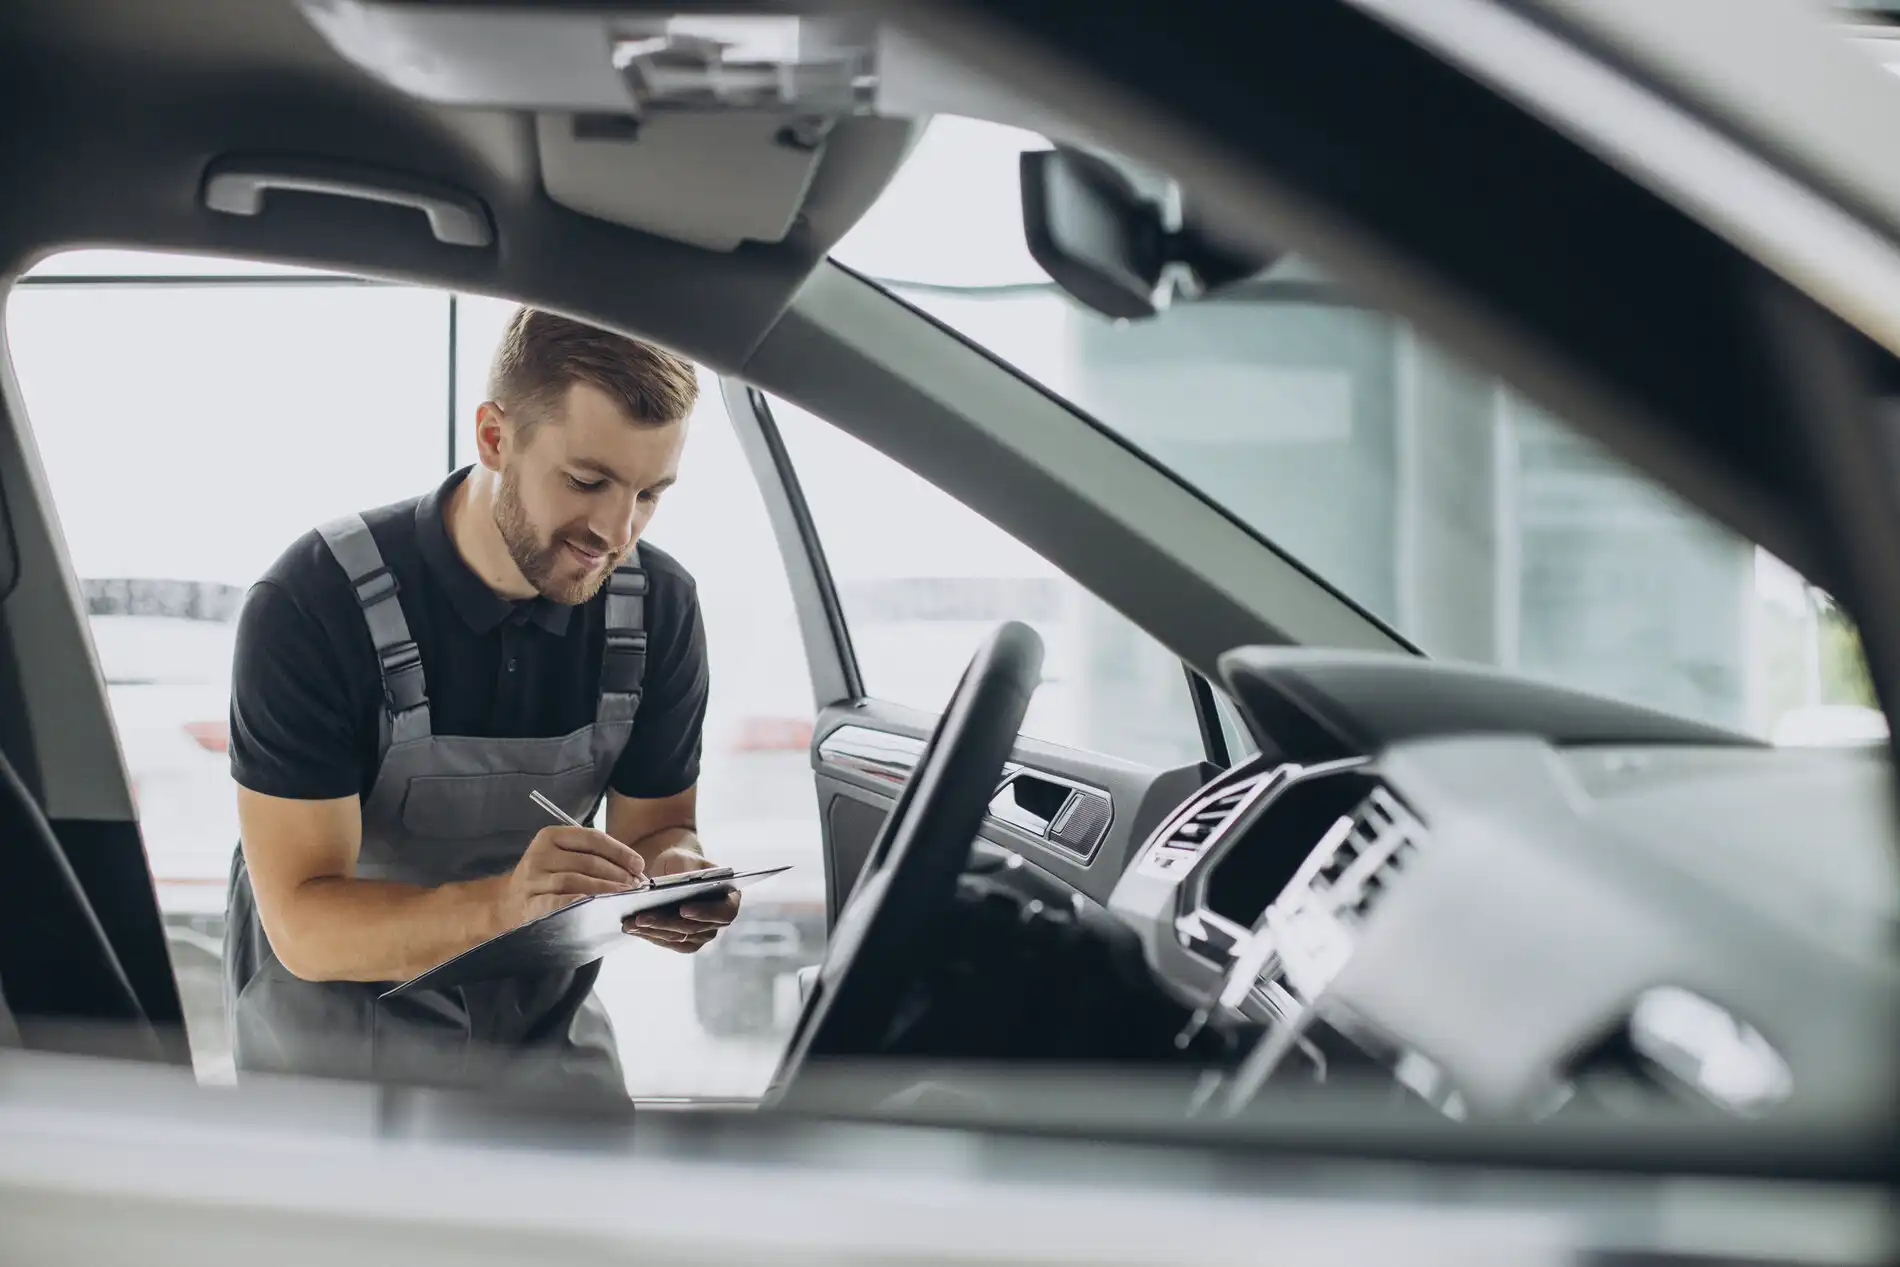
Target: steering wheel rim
(904,891)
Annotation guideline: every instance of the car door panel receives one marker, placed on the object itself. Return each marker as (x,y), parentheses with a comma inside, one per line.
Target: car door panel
(863,752)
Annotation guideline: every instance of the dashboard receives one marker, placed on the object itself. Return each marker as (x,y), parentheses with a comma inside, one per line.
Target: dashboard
(1511,896)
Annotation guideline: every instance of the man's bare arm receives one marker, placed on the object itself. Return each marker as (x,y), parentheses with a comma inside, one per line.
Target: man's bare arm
(327,925)
(654,826)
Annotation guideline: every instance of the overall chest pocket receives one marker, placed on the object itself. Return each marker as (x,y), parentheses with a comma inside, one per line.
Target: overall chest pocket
(470,806)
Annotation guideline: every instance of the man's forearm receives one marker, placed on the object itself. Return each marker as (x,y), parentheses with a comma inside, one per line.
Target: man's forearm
(340,929)
(651,846)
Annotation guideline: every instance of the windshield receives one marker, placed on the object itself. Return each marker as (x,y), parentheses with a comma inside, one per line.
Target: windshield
(1474,523)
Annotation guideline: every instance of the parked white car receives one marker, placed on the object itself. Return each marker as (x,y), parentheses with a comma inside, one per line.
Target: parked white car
(165,650)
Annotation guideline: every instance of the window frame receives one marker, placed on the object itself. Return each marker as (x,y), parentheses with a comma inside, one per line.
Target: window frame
(149,948)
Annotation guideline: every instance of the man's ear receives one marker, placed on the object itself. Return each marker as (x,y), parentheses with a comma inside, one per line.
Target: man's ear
(491,430)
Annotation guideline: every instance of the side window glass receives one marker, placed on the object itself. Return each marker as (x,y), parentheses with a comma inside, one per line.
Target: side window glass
(923,578)
(248,403)
(714,1023)
(189,430)
(1481,527)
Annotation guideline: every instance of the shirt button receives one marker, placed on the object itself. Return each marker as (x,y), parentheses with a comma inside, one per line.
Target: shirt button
(511,666)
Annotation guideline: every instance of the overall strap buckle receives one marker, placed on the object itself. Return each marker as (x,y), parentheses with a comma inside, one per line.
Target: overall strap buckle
(403,686)
(375,587)
(624,662)
(405,690)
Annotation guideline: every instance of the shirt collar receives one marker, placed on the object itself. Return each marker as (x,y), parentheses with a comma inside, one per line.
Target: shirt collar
(481,608)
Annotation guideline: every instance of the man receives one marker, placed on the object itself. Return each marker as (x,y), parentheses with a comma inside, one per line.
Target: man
(405,678)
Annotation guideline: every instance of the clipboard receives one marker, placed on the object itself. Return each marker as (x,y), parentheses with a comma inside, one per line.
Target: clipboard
(577,934)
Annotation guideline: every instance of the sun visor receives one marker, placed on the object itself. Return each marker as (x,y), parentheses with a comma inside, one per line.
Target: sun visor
(712,180)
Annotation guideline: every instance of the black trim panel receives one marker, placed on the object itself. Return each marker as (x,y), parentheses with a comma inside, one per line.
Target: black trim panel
(828,653)
(1207,715)
(825,587)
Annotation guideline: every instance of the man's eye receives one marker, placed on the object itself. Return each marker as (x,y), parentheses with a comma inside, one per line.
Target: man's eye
(583,486)
(650,495)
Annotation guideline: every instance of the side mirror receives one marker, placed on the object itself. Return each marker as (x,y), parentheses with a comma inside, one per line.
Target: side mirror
(1110,247)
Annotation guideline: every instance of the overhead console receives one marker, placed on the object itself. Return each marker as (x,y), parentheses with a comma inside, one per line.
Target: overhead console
(711,129)
(753,125)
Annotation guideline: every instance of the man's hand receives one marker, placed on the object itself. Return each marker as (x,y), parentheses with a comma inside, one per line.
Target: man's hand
(566,863)
(689,926)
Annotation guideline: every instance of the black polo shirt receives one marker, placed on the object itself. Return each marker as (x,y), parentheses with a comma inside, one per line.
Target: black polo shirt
(306,693)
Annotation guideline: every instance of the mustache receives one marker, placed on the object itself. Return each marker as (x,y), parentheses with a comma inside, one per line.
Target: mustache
(594,545)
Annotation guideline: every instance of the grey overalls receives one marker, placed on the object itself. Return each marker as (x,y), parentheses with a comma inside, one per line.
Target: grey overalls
(445,808)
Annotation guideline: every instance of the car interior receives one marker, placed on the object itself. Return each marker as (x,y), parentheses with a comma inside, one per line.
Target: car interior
(1462,899)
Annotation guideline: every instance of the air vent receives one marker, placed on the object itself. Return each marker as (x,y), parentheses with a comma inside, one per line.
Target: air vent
(1250,872)
(1314,921)
(1204,822)
(1380,843)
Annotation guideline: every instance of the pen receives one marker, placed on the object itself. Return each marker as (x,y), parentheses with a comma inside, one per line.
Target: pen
(565,817)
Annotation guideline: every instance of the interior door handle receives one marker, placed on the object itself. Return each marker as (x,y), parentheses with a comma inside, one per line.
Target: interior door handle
(1028,803)
(236,186)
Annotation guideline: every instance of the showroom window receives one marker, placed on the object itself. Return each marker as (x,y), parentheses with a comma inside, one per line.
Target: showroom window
(1440,500)
(195,416)
(923,579)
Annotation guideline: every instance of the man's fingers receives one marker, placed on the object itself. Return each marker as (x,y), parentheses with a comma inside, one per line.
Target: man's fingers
(564,862)
(585,840)
(666,922)
(722,911)
(564,883)
(687,945)
(668,938)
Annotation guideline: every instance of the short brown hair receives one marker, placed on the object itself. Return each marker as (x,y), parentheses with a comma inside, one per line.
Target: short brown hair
(542,354)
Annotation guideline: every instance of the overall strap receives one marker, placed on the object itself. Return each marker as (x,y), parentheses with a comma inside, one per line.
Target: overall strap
(405,695)
(623,662)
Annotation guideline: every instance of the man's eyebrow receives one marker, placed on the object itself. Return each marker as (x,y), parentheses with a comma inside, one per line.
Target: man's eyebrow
(668,482)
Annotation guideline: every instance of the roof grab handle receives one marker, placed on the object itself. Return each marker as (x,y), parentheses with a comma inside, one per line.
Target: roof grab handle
(236,186)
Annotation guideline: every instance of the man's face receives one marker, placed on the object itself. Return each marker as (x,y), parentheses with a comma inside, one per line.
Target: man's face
(575,498)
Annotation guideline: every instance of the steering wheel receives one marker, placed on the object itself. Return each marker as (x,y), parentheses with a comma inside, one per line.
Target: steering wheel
(888,929)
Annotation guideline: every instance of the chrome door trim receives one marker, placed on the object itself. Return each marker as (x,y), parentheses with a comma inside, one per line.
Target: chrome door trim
(892,759)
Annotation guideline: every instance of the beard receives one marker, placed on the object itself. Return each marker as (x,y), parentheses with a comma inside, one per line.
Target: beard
(543,560)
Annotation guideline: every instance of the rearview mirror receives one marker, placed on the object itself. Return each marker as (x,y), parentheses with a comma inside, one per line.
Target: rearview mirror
(1110,247)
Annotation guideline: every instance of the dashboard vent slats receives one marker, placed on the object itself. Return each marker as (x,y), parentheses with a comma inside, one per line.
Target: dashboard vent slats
(1315,922)
(1383,839)
(1190,834)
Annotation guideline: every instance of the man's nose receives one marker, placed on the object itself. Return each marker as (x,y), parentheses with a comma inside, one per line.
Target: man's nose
(614,524)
